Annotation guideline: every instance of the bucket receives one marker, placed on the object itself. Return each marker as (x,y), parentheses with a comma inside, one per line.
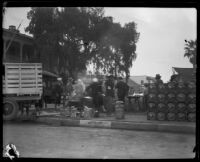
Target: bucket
(87,114)
(119,110)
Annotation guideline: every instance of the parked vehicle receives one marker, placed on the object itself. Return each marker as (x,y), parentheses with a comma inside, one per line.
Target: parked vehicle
(22,87)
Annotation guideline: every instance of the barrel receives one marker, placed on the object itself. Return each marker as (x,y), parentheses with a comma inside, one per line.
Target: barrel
(171,97)
(152,88)
(161,97)
(73,113)
(88,113)
(181,107)
(161,88)
(171,87)
(181,97)
(152,97)
(181,87)
(171,107)
(181,116)
(119,110)
(161,116)
(191,117)
(191,87)
(171,116)
(191,98)
(151,115)
(152,106)
(191,108)
(161,107)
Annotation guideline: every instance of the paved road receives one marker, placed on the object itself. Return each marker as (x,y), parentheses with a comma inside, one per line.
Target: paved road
(36,140)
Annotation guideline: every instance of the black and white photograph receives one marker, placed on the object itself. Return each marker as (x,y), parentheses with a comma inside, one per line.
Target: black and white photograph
(99,82)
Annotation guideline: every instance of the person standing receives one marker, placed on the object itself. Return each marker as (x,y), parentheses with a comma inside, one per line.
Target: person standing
(158,79)
(122,89)
(58,92)
(109,94)
(96,91)
(69,87)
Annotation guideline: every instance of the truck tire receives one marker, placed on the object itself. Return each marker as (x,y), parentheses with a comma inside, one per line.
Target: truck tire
(10,109)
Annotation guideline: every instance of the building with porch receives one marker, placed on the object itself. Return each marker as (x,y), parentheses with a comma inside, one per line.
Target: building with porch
(18,47)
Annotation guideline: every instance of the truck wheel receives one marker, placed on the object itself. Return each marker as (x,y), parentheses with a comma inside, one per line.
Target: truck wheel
(10,109)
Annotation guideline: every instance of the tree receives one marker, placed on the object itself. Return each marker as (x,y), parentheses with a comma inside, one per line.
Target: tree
(70,38)
(129,38)
(191,51)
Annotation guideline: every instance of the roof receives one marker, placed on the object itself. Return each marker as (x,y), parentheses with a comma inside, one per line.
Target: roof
(138,79)
(47,73)
(19,34)
(132,83)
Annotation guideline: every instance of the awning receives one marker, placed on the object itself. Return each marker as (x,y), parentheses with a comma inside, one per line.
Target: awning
(47,73)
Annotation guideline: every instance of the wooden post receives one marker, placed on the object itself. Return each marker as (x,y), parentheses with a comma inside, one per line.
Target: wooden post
(4,50)
(21,51)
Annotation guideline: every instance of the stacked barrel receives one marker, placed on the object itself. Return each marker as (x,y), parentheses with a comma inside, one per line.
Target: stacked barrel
(172,101)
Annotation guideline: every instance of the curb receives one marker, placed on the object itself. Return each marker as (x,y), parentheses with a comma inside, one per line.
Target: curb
(118,125)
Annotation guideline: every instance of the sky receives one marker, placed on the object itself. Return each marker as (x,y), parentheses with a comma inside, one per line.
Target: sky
(162,34)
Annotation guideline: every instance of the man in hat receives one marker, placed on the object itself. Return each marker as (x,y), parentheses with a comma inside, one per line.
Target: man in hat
(122,89)
(96,91)
(109,94)
(158,79)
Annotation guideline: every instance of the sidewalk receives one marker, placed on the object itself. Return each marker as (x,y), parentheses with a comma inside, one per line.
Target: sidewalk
(132,121)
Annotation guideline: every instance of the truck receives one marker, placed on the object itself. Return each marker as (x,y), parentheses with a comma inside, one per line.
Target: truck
(22,86)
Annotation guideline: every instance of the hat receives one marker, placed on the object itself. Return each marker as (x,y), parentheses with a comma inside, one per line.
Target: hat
(158,76)
(95,80)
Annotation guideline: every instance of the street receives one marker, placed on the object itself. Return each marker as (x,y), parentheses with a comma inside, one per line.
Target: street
(42,141)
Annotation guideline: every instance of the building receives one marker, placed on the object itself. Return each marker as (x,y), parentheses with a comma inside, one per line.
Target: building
(142,79)
(185,74)
(18,47)
(21,48)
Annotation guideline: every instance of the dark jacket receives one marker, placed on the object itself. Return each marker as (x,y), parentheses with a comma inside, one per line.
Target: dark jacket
(109,86)
(122,88)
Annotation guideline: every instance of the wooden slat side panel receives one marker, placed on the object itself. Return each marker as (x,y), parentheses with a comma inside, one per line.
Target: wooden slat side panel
(23,78)
(22,81)
(23,91)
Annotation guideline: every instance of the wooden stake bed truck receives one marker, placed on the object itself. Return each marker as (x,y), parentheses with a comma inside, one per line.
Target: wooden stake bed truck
(22,86)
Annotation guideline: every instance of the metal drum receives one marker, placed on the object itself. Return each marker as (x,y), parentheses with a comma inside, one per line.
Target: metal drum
(119,110)
(161,97)
(152,106)
(192,117)
(181,116)
(87,101)
(151,115)
(191,107)
(171,97)
(181,107)
(181,87)
(191,87)
(171,116)
(88,113)
(152,97)
(162,107)
(74,112)
(162,88)
(192,98)
(181,97)
(152,88)
(161,116)
(171,108)
(171,87)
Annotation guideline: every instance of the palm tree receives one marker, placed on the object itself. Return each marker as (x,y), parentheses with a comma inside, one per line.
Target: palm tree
(190,51)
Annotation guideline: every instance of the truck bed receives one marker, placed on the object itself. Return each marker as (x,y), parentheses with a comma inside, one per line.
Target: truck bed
(22,79)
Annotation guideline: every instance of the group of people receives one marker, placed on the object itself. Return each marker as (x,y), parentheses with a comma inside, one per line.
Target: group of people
(104,93)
